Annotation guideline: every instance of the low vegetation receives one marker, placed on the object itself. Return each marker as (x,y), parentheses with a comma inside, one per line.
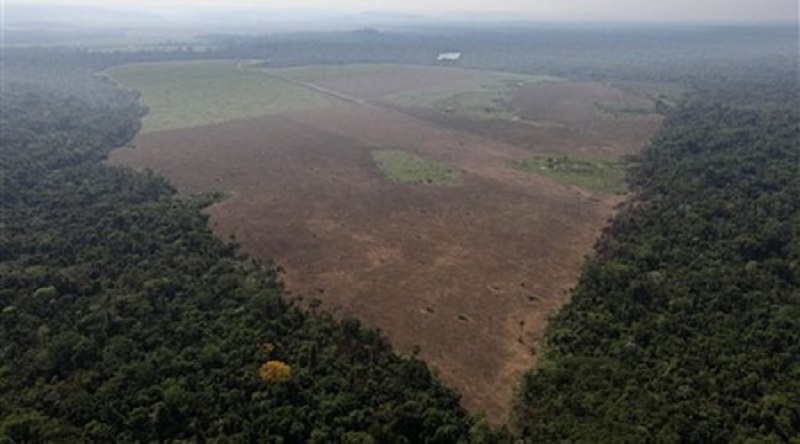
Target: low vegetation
(487,96)
(404,167)
(480,104)
(605,176)
(187,94)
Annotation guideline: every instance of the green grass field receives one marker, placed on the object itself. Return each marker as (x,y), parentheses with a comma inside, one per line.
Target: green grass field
(188,94)
(603,175)
(404,167)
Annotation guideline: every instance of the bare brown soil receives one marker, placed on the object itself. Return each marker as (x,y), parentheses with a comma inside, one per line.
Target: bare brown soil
(593,110)
(468,273)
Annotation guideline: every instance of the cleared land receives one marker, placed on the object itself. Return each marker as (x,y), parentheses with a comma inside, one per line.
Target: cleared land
(187,94)
(591,110)
(467,272)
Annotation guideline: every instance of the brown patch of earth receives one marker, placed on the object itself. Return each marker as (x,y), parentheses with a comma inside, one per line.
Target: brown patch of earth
(468,273)
(595,109)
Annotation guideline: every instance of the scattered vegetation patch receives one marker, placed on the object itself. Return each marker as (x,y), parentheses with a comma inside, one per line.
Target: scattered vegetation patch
(620,110)
(492,103)
(404,167)
(606,176)
(488,96)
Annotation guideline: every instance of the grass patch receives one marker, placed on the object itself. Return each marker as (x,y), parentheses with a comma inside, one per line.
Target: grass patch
(479,104)
(404,167)
(603,175)
(187,94)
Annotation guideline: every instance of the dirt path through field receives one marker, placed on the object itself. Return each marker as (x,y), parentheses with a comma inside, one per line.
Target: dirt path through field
(315,87)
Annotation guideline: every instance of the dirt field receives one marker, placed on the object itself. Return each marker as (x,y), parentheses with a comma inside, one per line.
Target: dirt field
(468,272)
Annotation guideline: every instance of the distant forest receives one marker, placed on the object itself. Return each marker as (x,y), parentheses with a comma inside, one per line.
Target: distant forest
(123,319)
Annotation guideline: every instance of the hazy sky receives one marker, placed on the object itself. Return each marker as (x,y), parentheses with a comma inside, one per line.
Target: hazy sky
(636,10)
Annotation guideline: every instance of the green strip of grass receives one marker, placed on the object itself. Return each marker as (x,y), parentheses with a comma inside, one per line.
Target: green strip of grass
(187,94)
(603,175)
(403,167)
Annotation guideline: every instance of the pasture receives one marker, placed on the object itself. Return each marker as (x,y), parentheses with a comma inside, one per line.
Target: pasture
(318,180)
(188,94)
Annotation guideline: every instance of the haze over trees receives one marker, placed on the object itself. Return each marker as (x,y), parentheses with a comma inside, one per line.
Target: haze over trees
(123,319)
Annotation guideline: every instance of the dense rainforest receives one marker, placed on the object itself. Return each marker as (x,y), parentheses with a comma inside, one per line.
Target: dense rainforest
(122,319)
(686,326)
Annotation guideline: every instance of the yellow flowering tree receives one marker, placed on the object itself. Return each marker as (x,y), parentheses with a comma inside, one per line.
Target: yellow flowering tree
(275,371)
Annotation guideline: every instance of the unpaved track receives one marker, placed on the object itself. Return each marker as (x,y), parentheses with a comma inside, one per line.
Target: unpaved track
(315,87)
